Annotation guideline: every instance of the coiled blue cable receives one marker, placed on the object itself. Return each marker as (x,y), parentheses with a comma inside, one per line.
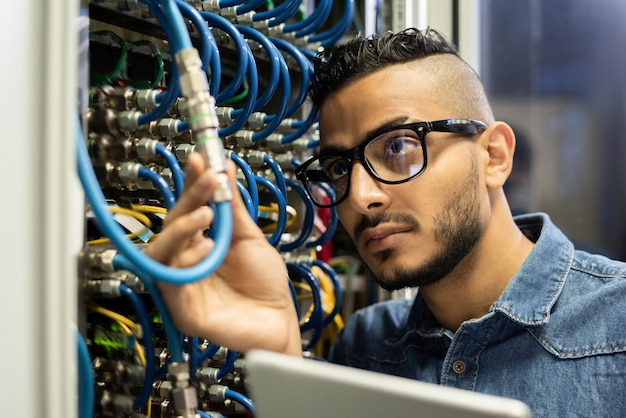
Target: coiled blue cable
(276,11)
(316,320)
(274,240)
(174,337)
(250,182)
(312,22)
(240,399)
(241,115)
(302,128)
(274,62)
(85,379)
(209,52)
(331,36)
(332,222)
(178,177)
(285,15)
(227,367)
(278,173)
(132,258)
(160,183)
(330,272)
(167,98)
(306,68)
(249,6)
(230,3)
(146,329)
(307,222)
(207,354)
(242,49)
(180,39)
(247,200)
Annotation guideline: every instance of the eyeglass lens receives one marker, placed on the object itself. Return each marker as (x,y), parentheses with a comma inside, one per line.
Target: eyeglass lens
(394,156)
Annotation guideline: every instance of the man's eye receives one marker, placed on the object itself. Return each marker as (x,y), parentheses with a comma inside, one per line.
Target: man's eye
(335,169)
(398,146)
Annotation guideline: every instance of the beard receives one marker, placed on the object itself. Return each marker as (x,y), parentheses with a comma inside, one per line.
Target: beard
(458,228)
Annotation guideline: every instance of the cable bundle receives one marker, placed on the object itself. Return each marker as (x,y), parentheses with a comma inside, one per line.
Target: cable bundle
(230,82)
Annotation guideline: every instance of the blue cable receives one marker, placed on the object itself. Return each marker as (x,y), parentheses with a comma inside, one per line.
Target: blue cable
(307,223)
(316,320)
(131,257)
(269,14)
(312,22)
(308,53)
(178,177)
(230,3)
(165,99)
(247,200)
(174,337)
(250,182)
(209,51)
(306,68)
(278,173)
(160,183)
(249,6)
(146,329)
(285,15)
(274,240)
(274,62)
(242,56)
(180,39)
(294,298)
(336,289)
(240,399)
(204,414)
(331,36)
(313,144)
(304,126)
(85,379)
(277,118)
(192,347)
(332,223)
(228,365)
(208,353)
(241,115)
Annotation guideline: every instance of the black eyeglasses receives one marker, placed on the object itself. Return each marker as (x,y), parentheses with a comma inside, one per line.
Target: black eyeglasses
(393,156)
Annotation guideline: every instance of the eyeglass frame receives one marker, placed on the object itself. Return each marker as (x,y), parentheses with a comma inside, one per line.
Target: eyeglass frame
(469,127)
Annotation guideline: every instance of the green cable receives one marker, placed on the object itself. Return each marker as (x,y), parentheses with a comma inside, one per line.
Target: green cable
(154,51)
(101,79)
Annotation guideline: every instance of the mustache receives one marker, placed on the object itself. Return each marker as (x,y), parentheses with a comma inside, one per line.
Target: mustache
(385,217)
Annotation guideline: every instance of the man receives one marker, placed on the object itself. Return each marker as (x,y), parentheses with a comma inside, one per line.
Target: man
(505,306)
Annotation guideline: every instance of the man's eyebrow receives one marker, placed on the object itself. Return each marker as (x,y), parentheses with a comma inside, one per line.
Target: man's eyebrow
(332,149)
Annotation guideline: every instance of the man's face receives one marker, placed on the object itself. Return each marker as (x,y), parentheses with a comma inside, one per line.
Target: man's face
(414,233)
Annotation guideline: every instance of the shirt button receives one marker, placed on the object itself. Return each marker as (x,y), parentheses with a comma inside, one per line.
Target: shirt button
(458,367)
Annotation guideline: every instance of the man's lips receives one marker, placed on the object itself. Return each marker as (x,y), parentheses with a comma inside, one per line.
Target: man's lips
(380,236)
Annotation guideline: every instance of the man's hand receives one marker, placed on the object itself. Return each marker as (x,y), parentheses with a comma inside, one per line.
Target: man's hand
(246,303)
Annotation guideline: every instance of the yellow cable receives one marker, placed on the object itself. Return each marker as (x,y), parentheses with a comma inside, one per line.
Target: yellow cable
(135,214)
(125,324)
(291,217)
(115,316)
(148,209)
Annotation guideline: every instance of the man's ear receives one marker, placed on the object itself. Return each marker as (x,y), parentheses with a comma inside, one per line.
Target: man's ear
(500,143)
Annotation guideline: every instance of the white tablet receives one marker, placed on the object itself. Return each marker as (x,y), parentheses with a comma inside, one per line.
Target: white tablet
(287,387)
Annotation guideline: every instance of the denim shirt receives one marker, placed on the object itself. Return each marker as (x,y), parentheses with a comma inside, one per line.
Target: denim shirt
(555,338)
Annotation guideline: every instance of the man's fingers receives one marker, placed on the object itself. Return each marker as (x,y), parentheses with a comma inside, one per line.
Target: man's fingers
(199,187)
(180,233)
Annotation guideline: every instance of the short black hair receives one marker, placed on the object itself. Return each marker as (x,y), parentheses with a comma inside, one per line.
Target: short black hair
(337,66)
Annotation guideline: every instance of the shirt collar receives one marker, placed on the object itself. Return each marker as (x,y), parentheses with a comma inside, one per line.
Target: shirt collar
(534,289)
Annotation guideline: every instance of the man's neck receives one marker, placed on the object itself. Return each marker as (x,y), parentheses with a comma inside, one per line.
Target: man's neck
(478,281)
